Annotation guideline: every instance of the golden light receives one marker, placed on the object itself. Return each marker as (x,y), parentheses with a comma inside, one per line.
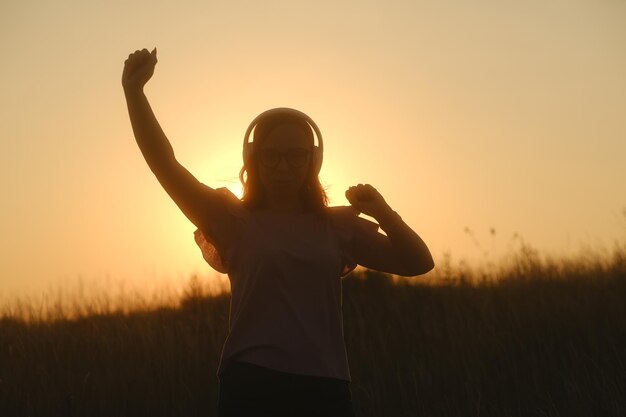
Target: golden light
(236,189)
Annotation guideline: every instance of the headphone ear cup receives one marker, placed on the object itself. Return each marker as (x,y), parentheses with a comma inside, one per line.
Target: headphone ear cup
(248,148)
(316,159)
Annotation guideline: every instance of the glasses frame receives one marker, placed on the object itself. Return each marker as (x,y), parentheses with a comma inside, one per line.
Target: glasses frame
(284,155)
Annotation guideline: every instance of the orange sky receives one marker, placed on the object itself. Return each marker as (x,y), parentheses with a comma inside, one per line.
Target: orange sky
(463,114)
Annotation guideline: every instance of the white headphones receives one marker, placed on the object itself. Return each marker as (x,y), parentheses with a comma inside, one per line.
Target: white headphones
(317,153)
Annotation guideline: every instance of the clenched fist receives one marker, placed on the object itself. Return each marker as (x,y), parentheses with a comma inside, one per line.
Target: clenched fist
(138,69)
(367,200)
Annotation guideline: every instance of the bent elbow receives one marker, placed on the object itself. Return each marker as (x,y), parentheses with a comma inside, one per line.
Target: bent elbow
(429,267)
(421,268)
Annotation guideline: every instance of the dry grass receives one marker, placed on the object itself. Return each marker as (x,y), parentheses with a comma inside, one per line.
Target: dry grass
(532,337)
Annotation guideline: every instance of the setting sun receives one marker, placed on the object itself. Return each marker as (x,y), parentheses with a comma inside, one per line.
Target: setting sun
(471,261)
(462,117)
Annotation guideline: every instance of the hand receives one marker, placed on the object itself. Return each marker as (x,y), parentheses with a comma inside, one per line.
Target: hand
(138,68)
(367,200)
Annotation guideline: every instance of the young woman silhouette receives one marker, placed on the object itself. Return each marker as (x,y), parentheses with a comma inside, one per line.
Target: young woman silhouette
(284,251)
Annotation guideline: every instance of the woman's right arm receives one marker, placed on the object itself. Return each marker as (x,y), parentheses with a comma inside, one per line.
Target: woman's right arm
(201,204)
(153,143)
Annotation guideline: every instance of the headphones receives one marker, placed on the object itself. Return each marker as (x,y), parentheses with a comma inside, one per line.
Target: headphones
(317,152)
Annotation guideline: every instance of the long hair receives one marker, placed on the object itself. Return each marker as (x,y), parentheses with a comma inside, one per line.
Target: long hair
(312,195)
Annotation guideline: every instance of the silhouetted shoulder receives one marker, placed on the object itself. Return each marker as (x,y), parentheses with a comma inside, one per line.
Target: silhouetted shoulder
(232,202)
(217,239)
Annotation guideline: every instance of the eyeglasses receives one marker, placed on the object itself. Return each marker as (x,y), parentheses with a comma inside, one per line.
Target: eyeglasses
(296,158)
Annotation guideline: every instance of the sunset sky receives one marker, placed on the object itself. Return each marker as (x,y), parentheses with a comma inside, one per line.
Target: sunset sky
(465,115)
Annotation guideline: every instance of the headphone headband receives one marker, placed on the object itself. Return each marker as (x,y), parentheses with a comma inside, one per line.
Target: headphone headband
(317,150)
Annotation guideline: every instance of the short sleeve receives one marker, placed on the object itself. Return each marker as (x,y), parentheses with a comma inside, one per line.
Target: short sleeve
(207,246)
(349,227)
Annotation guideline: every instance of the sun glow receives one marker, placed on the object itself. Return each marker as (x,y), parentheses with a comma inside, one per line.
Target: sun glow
(479,137)
(236,189)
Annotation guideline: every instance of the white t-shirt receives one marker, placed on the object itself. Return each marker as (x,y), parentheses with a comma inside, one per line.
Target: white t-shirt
(285,274)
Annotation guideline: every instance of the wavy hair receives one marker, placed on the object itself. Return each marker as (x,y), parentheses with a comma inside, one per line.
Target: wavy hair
(312,194)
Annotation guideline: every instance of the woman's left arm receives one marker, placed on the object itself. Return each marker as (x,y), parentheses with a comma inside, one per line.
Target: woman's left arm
(402,251)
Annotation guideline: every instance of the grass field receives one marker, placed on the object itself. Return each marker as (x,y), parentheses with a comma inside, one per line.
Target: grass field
(532,337)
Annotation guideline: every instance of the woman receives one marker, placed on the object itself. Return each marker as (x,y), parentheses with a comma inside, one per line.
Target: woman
(284,251)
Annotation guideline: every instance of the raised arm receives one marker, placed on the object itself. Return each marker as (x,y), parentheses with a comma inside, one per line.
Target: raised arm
(201,204)
(402,251)
(153,143)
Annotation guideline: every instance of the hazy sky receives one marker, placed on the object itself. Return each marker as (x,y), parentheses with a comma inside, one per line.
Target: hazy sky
(463,114)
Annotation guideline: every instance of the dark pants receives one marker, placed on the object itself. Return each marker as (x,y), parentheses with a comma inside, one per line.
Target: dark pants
(251,390)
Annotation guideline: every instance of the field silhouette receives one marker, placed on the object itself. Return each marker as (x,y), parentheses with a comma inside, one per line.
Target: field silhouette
(532,337)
